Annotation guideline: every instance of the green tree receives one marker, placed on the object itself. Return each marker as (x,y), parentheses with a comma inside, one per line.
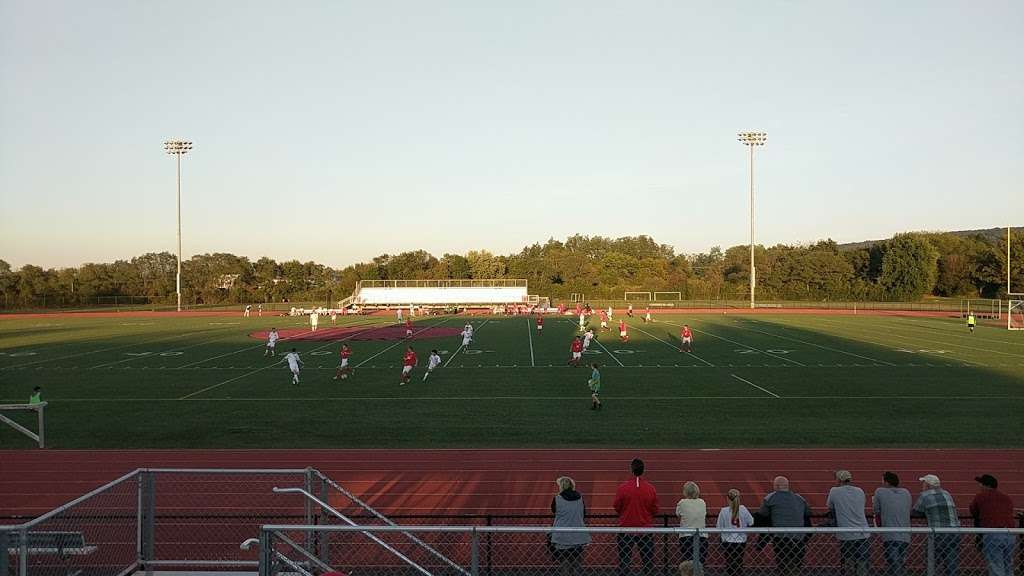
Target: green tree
(909,267)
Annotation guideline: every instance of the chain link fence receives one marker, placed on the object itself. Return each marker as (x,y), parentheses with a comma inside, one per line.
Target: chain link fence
(528,550)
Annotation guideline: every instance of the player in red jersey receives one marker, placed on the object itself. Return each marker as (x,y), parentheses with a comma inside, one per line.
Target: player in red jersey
(344,370)
(408,327)
(408,362)
(540,325)
(577,352)
(686,336)
(604,320)
(623,331)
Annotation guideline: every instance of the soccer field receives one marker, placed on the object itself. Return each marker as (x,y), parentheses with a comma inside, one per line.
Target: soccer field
(752,381)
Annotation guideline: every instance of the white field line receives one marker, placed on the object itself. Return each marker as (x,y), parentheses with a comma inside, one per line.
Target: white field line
(755,386)
(531,398)
(452,357)
(529,332)
(263,344)
(741,344)
(878,335)
(674,347)
(403,341)
(813,344)
(129,359)
(278,363)
(161,339)
(607,351)
(950,364)
(947,327)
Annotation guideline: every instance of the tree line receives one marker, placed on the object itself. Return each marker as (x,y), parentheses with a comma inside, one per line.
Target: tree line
(906,267)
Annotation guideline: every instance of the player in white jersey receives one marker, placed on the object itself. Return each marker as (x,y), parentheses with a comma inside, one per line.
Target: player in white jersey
(399,315)
(248,310)
(468,328)
(433,362)
(609,312)
(467,338)
(294,363)
(272,339)
(587,337)
(314,318)
(259,309)
(583,321)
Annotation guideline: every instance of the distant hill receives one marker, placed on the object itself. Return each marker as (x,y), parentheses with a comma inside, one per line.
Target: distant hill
(994,234)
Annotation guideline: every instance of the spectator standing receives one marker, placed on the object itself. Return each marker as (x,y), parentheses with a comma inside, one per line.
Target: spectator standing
(785,509)
(992,508)
(570,512)
(846,506)
(692,512)
(937,506)
(37,396)
(891,507)
(636,503)
(734,544)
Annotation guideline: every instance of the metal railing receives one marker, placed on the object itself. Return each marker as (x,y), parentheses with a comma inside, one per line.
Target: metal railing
(448,283)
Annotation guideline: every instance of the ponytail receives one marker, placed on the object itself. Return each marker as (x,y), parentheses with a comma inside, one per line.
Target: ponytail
(734,502)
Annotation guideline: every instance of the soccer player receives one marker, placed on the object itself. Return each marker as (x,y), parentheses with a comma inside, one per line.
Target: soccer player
(609,311)
(576,351)
(468,328)
(248,310)
(467,337)
(408,327)
(399,315)
(408,362)
(647,315)
(971,322)
(294,363)
(587,337)
(623,331)
(272,339)
(583,322)
(604,320)
(433,362)
(540,325)
(37,396)
(344,369)
(314,318)
(334,316)
(595,388)
(629,311)
(259,310)
(686,336)
(561,309)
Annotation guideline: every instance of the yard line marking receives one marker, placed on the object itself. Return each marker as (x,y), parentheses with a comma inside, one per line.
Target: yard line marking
(539,398)
(454,354)
(670,345)
(813,344)
(614,357)
(529,332)
(406,340)
(744,345)
(278,363)
(890,334)
(107,349)
(263,344)
(755,385)
(151,355)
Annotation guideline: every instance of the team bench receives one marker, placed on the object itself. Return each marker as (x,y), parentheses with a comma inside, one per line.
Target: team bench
(61,543)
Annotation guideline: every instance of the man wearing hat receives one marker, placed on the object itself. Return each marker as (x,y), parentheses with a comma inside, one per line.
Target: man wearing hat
(937,506)
(846,506)
(992,508)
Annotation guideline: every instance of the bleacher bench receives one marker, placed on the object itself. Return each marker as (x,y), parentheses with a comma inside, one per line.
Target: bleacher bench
(60,543)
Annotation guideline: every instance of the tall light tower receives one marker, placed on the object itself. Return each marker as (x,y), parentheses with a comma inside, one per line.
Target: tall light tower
(177,148)
(752,140)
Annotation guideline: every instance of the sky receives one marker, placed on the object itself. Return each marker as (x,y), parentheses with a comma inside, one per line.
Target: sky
(337,131)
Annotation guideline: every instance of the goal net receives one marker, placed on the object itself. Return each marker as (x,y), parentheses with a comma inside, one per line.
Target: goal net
(1015,315)
(637,297)
(668,296)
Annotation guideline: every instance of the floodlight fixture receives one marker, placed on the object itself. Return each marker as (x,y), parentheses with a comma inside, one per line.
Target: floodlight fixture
(752,140)
(177,148)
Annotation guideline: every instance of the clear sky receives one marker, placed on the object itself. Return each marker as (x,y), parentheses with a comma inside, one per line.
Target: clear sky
(336,131)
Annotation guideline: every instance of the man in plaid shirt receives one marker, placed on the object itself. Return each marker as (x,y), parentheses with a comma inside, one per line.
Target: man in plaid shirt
(937,506)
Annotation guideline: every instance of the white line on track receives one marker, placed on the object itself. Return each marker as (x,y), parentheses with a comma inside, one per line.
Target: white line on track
(278,363)
(454,354)
(405,340)
(674,347)
(529,332)
(741,344)
(755,385)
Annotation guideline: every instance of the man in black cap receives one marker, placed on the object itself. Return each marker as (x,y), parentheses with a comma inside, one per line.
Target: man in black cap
(992,508)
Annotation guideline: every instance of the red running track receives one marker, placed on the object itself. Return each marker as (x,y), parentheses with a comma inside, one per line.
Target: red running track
(498,481)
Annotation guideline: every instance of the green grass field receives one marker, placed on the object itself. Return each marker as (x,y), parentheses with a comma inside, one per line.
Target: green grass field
(754,380)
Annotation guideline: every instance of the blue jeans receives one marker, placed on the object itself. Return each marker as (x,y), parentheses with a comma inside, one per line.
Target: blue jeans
(947,553)
(998,550)
(895,556)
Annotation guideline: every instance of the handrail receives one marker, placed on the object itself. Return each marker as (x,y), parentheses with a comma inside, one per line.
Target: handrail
(648,530)
(388,521)
(346,519)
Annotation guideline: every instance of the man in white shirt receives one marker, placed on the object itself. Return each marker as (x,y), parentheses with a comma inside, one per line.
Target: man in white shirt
(587,337)
(467,336)
(294,364)
(433,362)
(272,339)
(248,310)
(314,318)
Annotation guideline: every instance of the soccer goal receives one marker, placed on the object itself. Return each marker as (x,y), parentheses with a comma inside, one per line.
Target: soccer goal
(1015,315)
(675,296)
(577,297)
(637,297)
(40,437)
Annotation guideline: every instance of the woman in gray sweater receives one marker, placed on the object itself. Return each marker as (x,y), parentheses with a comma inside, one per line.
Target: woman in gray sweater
(569,511)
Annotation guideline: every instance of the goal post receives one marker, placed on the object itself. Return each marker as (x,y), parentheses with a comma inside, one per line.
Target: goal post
(637,297)
(676,296)
(1015,315)
(40,437)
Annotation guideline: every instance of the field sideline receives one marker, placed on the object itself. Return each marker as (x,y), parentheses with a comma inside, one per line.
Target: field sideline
(753,380)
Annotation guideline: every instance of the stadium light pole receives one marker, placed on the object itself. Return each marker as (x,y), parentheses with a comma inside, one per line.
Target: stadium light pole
(752,140)
(177,148)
